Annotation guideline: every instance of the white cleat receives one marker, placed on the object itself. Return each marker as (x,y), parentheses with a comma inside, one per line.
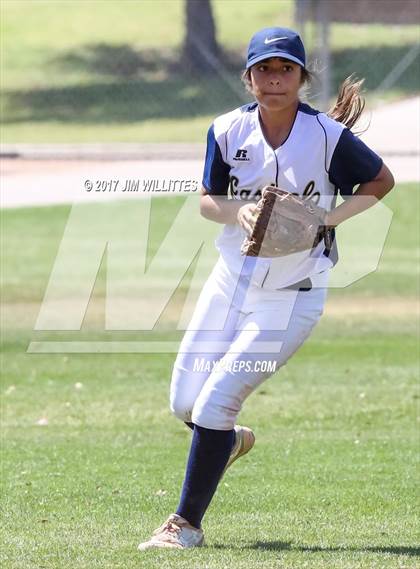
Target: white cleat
(244,441)
(177,533)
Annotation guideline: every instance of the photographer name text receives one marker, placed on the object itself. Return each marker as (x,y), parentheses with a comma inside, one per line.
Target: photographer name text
(152,185)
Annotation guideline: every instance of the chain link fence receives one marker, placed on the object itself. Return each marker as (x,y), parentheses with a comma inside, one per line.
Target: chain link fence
(105,89)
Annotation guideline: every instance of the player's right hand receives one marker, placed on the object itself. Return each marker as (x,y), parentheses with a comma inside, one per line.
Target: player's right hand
(246,217)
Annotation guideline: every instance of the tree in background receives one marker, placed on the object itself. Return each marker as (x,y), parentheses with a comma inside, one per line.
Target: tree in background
(200,50)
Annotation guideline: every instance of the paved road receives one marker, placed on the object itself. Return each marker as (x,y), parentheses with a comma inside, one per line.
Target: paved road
(394,132)
(43,182)
(54,174)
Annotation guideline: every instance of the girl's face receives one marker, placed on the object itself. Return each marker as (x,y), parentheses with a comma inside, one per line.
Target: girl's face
(275,83)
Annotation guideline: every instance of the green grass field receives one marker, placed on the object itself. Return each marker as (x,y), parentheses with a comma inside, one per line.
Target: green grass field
(101,71)
(331,483)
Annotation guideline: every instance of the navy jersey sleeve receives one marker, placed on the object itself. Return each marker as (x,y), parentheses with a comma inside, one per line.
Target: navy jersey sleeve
(352,163)
(216,171)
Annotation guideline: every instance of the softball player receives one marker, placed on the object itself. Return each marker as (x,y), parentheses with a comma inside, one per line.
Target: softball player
(254,313)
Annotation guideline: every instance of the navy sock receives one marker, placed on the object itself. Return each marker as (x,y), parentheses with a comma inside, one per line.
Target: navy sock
(209,453)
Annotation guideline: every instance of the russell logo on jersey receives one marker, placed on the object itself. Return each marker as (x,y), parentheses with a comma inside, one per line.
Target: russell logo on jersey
(241,155)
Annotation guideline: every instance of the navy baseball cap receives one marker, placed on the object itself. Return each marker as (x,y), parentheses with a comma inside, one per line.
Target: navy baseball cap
(275,42)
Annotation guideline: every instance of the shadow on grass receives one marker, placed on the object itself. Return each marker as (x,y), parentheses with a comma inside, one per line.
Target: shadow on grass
(125,61)
(127,85)
(288,546)
(375,64)
(115,60)
(123,102)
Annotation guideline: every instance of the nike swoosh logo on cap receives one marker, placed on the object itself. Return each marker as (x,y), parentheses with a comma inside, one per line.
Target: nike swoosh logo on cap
(266,41)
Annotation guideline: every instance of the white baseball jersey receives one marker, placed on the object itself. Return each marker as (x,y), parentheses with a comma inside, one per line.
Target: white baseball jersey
(319,158)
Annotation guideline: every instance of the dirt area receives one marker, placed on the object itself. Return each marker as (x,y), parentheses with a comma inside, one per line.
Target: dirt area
(23,315)
(385,307)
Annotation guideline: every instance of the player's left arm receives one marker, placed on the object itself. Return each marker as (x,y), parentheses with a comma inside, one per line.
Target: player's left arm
(354,165)
(366,195)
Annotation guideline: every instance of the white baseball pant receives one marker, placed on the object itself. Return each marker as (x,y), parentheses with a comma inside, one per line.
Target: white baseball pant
(230,348)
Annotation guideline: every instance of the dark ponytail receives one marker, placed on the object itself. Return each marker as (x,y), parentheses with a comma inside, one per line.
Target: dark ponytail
(350,103)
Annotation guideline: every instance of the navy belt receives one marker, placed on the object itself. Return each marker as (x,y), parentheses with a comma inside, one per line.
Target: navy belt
(303,285)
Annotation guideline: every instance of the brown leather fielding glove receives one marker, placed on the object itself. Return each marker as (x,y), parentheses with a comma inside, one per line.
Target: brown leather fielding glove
(285,224)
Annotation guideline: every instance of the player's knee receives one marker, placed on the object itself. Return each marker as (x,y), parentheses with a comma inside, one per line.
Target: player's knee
(180,408)
(213,416)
